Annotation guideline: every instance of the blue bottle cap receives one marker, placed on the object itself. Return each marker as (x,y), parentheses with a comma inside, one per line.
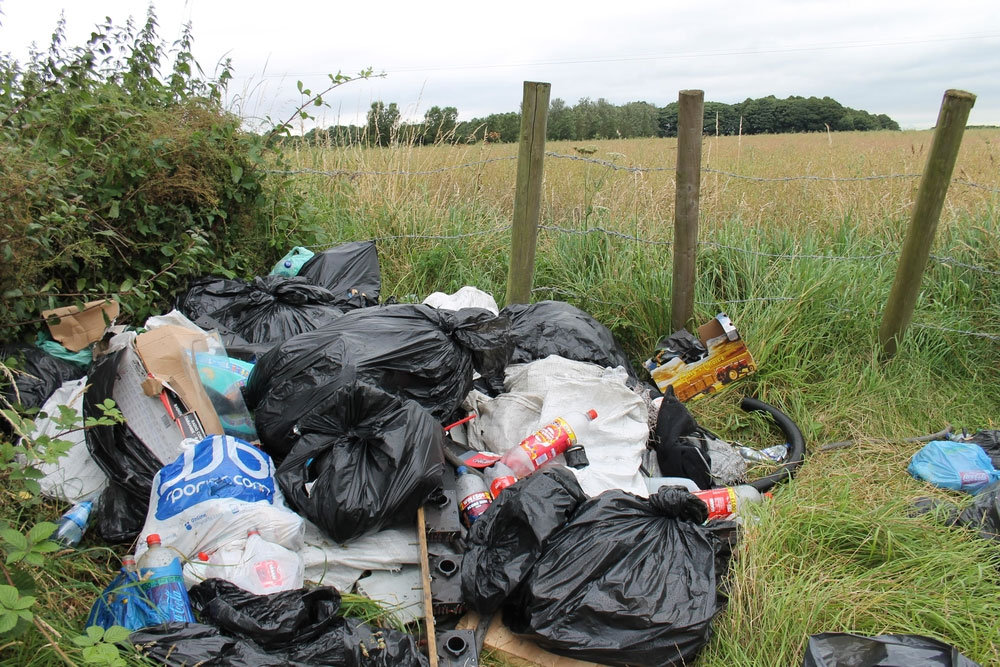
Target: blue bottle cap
(461,470)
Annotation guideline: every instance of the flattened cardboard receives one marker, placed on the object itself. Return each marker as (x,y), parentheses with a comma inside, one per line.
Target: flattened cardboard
(728,360)
(146,415)
(164,351)
(79,328)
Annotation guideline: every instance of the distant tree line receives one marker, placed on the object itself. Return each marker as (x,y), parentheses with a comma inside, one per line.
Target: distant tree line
(603,120)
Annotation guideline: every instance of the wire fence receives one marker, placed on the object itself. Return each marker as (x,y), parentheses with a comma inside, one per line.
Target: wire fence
(611,165)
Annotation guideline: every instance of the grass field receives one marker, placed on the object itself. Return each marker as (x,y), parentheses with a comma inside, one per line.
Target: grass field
(800,235)
(802,260)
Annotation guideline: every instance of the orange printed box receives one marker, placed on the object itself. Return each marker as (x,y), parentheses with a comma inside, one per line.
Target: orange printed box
(697,367)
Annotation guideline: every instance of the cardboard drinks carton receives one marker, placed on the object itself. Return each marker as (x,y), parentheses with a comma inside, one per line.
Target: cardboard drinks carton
(697,367)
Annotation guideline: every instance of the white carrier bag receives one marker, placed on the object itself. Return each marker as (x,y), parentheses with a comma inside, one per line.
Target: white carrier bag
(216,492)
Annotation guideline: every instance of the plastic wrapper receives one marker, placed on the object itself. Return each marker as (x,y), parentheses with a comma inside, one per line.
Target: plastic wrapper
(627,581)
(41,375)
(271,309)
(413,351)
(124,603)
(960,466)
(835,649)
(297,627)
(554,327)
(350,271)
(507,540)
(369,460)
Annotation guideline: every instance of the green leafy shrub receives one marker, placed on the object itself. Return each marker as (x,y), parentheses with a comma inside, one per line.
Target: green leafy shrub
(121,174)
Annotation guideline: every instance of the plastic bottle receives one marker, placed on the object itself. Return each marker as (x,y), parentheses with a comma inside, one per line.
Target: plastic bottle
(128,564)
(267,567)
(162,581)
(547,443)
(729,500)
(73,524)
(500,477)
(474,497)
(653,484)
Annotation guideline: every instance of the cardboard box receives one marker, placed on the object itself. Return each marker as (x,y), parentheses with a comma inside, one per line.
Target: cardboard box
(76,329)
(724,358)
(147,416)
(165,353)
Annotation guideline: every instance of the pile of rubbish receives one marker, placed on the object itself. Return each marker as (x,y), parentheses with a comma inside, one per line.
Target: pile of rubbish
(476,471)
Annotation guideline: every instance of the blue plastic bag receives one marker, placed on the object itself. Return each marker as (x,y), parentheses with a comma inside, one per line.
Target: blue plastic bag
(124,603)
(962,466)
(290,264)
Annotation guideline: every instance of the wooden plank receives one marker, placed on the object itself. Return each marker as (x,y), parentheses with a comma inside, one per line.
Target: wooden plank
(425,578)
(518,650)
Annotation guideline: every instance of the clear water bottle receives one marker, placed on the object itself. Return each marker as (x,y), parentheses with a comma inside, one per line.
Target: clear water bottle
(727,501)
(547,443)
(474,497)
(162,579)
(73,524)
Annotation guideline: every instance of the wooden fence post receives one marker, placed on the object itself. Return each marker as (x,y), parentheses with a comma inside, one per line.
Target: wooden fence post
(898,311)
(528,192)
(690,123)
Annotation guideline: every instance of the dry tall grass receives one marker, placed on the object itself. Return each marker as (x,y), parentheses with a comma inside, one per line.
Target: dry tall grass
(769,181)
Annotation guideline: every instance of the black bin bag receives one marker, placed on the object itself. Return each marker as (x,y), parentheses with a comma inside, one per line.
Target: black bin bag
(628,581)
(554,327)
(41,374)
(838,649)
(350,271)
(368,461)
(413,351)
(124,458)
(504,543)
(267,311)
(297,627)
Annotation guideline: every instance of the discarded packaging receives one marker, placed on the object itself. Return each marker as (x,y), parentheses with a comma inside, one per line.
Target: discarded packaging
(77,328)
(724,358)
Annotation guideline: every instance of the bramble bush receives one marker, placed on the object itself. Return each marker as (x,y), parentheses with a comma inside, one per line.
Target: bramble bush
(121,175)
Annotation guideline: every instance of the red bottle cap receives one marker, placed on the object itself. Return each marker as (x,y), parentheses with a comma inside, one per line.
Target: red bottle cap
(592,414)
(152,540)
(202,556)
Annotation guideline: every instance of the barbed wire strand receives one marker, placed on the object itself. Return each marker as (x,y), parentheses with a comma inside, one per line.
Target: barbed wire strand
(437,237)
(617,167)
(397,172)
(602,230)
(954,262)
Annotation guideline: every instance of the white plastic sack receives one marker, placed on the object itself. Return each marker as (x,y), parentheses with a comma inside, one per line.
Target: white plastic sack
(213,495)
(540,391)
(75,476)
(466,297)
(330,564)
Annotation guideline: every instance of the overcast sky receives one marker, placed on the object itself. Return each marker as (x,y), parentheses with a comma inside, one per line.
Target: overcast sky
(883,56)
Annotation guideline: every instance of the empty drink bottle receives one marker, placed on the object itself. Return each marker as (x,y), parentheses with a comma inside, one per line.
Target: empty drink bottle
(73,524)
(473,496)
(547,443)
(162,580)
(729,500)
